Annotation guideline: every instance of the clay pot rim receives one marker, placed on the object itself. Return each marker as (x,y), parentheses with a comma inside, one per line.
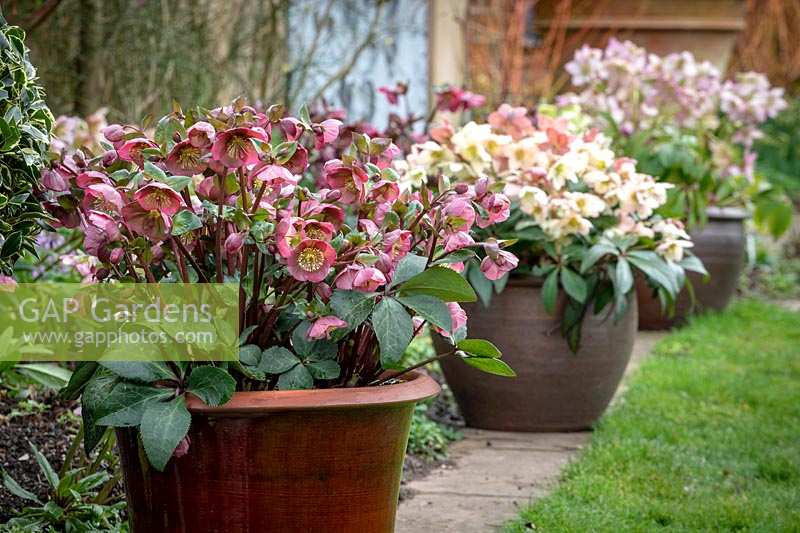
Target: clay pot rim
(726,213)
(417,386)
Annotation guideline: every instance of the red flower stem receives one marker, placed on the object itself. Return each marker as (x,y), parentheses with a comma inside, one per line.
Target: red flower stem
(259,195)
(179,260)
(243,189)
(148,274)
(220,230)
(191,260)
(395,375)
(132,270)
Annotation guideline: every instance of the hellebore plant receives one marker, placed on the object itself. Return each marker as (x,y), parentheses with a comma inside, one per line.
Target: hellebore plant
(682,122)
(579,217)
(334,283)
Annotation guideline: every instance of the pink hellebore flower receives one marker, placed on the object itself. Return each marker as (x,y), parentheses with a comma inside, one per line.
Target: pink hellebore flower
(288,235)
(498,209)
(7,283)
(326,132)
(459,215)
(455,99)
(458,240)
(458,319)
(91,177)
(53,180)
(99,230)
(185,159)
(385,191)
(159,197)
(114,134)
(298,163)
(360,278)
(314,229)
(324,326)
(442,134)
(182,448)
(349,180)
(397,243)
(153,224)
(292,128)
(512,120)
(234,148)
(494,266)
(311,260)
(393,94)
(101,196)
(201,135)
(132,150)
(234,243)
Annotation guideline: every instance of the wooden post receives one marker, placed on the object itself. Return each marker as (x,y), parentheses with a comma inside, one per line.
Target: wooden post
(447,43)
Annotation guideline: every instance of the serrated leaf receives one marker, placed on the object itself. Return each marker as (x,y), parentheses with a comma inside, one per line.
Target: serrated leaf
(211,384)
(479,348)
(178,183)
(593,255)
(441,282)
(184,222)
(164,425)
(490,365)
(574,284)
(393,328)
(550,291)
(623,277)
(408,267)
(250,354)
(277,360)
(297,378)
(145,372)
(84,371)
(153,172)
(326,369)
(352,306)
(431,309)
(126,403)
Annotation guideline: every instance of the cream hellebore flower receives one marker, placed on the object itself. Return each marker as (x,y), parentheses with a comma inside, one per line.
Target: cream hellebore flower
(567,168)
(470,143)
(526,153)
(533,201)
(672,249)
(641,194)
(588,205)
(603,183)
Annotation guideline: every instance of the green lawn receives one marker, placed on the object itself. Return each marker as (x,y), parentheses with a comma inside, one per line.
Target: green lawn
(707,437)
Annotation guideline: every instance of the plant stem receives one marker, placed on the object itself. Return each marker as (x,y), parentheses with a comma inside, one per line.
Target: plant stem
(191,260)
(73,448)
(399,373)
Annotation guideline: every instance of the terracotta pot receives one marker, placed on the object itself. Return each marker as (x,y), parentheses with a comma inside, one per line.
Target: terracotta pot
(720,245)
(555,389)
(286,461)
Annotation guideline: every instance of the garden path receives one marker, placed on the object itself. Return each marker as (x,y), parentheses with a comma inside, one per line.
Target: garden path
(493,473)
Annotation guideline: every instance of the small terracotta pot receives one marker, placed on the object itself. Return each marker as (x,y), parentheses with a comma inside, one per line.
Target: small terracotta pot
(285,461)
(720,245)
(555,389)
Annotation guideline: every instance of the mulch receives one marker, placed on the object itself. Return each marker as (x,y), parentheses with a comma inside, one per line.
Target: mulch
(44,430)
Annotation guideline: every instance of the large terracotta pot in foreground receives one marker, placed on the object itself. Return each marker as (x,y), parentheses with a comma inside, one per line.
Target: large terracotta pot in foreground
(288,461)
(720,245)
(555,389)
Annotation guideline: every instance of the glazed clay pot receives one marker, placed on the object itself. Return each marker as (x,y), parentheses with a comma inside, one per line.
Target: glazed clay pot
(555,389)
(720,245)
(286,461)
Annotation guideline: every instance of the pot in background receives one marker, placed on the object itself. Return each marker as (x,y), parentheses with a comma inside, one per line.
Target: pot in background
(282,461)
(555,389)
(720,245)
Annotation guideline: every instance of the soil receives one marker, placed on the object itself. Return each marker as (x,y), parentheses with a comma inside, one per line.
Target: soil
(42,428)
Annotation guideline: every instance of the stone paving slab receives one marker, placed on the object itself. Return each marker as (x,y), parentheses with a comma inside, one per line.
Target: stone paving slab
(494,473)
